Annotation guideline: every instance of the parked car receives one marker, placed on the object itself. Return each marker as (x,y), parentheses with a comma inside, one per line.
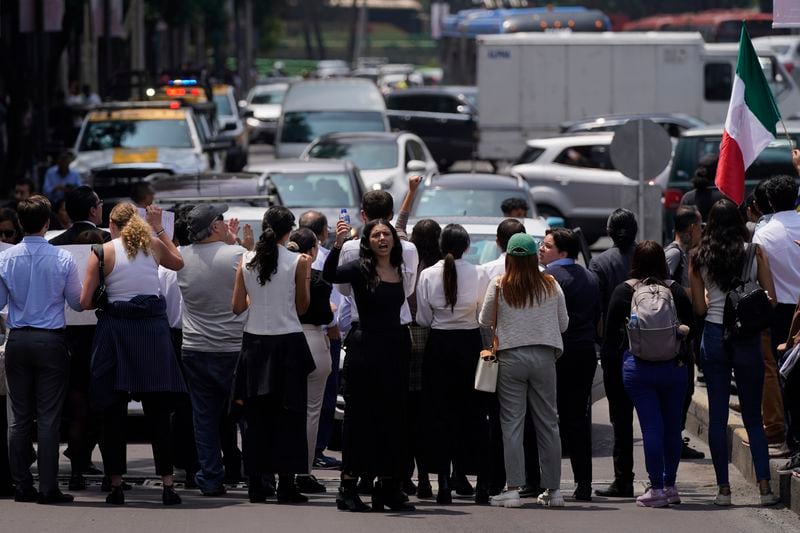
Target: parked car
(572,177)
(385,160)
(231,126)
(324,185)
(787,48)
(673,123)
(460,195)
(262,109)
(446,118)
(331,68)
(313,108)
(483,234)
(694,144)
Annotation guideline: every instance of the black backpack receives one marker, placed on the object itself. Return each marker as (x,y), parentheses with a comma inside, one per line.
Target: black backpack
(747,307)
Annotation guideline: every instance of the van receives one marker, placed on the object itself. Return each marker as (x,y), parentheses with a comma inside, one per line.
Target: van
(316,107)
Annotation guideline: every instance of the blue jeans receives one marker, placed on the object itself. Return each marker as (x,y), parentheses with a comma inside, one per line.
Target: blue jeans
(329,400)
(657,390)
(209,376)
(747,363)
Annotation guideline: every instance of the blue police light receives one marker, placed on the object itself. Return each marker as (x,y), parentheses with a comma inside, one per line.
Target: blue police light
(182,83)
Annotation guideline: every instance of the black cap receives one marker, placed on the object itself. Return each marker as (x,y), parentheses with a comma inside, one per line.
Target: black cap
(200,219)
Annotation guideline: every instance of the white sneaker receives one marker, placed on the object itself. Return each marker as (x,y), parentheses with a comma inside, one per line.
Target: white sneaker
(723,500)
(508,498)
(551,498)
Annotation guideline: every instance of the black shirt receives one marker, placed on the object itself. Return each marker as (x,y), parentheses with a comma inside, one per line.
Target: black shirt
(319,311)
(611,267)
(582,296)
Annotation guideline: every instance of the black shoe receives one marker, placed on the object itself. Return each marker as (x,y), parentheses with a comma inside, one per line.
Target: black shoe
(290,495)
(190,483)
(169,496)
(688,452)
(529,491)
(791,465)
(583,492)
(444,497)
(387,493)
(7,491)
(116,497)
(54,497)
(481,494)
(617,489)
(256,490)
(348,499)
(424,490)
(105,485)
(77,482)
(219,491)
(460,484)
(91,470)
(409,487)
(366,486)
(309,485)
(26,494)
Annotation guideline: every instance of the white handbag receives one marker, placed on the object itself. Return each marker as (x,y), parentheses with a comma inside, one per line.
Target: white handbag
(486,373)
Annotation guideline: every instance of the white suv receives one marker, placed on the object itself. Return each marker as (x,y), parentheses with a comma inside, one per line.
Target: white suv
(572,177)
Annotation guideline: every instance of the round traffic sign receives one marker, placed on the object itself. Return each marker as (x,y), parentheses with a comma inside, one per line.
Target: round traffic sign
(641,149)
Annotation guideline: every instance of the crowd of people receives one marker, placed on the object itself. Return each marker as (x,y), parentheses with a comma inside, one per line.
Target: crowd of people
(217,334)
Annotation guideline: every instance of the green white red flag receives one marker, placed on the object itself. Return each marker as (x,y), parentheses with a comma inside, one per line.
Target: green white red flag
(750,124)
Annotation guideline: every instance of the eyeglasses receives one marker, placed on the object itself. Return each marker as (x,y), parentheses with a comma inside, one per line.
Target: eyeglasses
(8,233)
(99,203)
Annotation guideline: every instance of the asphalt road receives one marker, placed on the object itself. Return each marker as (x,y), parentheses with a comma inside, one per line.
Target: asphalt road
(198,514)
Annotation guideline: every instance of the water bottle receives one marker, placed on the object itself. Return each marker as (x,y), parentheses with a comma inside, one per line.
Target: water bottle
(344,216)
(633,321)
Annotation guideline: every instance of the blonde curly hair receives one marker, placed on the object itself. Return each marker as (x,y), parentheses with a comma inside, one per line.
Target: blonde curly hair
(133,229)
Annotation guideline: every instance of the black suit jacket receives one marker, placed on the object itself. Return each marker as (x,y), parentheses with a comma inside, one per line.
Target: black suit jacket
(69,236)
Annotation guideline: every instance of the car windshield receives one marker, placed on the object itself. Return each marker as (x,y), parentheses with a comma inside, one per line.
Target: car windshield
(268,97)
(101,135)
(304,127)
(223,104)
(442,202)
(329,189)
(367,155)
(483,248)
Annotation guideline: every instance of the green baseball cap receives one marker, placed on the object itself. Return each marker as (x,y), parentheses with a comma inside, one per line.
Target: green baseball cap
(521,245)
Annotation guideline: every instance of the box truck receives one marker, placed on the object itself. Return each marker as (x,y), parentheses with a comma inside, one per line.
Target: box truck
(529,83)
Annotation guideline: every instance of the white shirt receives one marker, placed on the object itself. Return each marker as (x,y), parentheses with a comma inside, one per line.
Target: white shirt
(336,297)
(131,277)
(495,268)
(168,280)
(349,253)
(272,307)
(432,308)
(776,238)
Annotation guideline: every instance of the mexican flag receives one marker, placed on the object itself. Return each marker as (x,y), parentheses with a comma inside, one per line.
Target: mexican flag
(750,124)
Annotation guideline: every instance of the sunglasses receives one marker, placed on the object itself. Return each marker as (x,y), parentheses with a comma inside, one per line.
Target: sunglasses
(8,233)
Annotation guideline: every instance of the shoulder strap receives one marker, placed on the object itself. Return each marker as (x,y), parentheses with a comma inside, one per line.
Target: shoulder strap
(98,251)
(750,254)
(495,340)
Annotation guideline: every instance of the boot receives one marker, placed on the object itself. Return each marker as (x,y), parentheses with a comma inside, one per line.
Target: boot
(348,499)
(287,490)
(387,493)
(445,495)
(255,489)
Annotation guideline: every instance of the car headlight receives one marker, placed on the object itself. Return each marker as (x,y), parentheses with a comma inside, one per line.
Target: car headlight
(253,122)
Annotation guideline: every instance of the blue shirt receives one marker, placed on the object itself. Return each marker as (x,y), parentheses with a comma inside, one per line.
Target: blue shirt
(561,262)
(53,179)
(35,279)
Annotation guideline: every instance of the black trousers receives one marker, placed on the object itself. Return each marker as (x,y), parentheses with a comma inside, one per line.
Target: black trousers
(415,436)
(575,371)
(158,408)
(5,468)
(621,412)
(83,425)
(184,447)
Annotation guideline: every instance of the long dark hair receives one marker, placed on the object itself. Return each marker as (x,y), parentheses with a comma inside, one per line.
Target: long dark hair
(721,249)
(277,222)
(425,236)
(9,215)
(367,257)
(454,242)
(649,261)
(523,285)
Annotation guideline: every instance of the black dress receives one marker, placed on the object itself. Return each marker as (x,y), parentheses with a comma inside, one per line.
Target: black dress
(374,428)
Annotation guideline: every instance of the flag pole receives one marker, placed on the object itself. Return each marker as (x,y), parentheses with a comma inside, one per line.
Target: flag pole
(786,132)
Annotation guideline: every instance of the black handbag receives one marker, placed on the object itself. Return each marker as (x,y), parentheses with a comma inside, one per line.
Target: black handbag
(747,307)
(100,297)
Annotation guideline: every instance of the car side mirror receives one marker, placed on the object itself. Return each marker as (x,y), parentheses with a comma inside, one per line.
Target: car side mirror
(229,126)
(246,113)
(415,165)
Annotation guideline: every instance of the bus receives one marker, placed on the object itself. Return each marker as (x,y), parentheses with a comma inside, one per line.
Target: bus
(457,46)
(716,25)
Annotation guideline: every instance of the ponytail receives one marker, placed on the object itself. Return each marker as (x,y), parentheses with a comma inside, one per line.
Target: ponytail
(450,281)
(277,222)
(133,229)
(454,242)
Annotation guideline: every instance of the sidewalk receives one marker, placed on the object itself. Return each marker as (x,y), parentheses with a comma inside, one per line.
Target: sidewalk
(787,486)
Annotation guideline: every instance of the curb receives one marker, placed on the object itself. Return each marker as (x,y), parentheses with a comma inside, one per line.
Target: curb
(787,487)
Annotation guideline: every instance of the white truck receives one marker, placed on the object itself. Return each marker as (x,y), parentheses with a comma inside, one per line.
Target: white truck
(529,83)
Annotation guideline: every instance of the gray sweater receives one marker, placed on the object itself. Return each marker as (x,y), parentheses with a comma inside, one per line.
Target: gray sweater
(540,324)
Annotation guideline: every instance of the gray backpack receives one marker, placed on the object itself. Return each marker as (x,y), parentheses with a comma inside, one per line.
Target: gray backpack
(653,322)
